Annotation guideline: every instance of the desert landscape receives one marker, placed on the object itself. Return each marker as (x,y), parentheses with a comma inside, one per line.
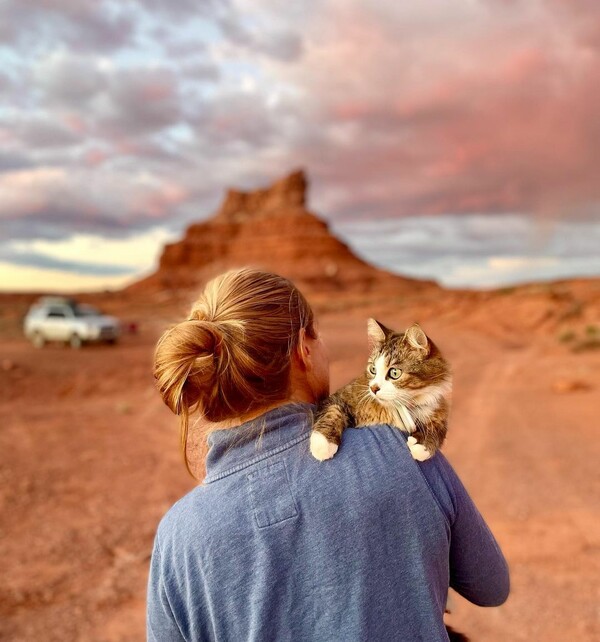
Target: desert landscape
(89,458)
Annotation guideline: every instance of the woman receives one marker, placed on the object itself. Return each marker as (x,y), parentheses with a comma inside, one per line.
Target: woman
(275,545)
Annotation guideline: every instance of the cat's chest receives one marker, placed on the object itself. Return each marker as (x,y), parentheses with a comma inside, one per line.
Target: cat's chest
(397,416)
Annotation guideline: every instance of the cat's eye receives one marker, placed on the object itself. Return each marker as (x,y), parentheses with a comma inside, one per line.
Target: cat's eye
(372,369)
(394,373)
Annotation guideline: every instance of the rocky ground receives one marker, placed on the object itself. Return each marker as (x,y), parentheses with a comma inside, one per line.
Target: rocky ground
(89,457)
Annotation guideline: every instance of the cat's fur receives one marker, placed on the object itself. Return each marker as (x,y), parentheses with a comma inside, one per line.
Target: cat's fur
(417,402)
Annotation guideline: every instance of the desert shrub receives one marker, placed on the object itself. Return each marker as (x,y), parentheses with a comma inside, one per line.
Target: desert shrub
(566,336)
(592,331)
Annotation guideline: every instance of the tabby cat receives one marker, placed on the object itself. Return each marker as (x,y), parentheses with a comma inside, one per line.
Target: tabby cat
(406,384)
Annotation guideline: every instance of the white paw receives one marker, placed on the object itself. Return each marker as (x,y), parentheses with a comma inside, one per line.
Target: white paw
(418,451)
(320,448)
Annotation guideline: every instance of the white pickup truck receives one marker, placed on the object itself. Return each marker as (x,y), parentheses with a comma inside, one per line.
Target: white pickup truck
(65,320)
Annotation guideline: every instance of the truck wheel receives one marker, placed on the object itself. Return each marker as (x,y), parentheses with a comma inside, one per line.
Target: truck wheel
(37,339)
(75,341)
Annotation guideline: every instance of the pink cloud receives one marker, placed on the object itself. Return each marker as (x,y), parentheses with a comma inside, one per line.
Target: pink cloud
(394,109)
(490,109)
(95,157)
(157,202)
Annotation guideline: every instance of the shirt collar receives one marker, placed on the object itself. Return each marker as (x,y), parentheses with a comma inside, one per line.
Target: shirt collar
(231,449)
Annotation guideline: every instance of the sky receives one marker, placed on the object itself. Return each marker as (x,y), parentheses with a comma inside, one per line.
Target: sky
(451,140)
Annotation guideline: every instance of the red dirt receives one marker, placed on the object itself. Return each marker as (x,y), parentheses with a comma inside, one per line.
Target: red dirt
(89,462)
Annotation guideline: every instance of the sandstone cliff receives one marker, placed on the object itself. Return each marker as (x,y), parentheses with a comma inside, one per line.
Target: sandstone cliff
(271,229)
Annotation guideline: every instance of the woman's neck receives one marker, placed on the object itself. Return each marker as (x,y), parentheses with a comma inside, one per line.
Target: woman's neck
(297,396)
(300,391)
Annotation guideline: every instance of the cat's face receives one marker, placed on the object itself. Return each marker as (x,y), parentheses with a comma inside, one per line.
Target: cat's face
(404,366)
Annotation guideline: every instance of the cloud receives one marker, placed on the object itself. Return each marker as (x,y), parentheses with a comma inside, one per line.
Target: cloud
(31,259)
(13,161)
(498,272)
(68,80)
(58,203)
(103,257)
(477,250)
(463,110)
(96,26)
(512,264)
(17,278)
(284,44)
(40,130)
(252,27)
(137,101)
(83,261)
(109,100)
(138,253)
(183,9)
(119,116)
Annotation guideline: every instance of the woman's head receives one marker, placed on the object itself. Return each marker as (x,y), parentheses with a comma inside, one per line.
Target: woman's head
(249,339)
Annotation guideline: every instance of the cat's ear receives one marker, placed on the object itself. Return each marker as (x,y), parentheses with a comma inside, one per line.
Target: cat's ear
(377,333)
(417,339)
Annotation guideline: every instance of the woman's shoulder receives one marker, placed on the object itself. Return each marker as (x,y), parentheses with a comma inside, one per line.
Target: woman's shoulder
(372,462)
(383,449)
(187,515)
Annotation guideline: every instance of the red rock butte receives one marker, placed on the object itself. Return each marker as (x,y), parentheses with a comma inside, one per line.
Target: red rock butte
(270,229)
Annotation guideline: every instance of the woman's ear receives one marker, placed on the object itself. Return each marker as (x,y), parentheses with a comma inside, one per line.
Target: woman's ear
(303,352)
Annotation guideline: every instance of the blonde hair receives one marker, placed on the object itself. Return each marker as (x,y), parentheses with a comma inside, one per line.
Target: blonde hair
(232,354)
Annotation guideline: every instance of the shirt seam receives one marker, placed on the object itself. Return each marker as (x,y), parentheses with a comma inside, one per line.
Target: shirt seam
(435,499)
(270,453)
(429,487)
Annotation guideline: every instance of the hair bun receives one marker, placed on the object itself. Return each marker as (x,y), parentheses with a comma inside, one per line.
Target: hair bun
(189,354)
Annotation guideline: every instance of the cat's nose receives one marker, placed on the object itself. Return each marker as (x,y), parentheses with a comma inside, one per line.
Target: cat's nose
(374,388)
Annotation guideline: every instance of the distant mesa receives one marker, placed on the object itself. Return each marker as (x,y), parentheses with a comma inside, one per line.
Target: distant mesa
(286,194)
(271,229)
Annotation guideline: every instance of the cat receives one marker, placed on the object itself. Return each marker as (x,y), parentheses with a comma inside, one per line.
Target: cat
(407,384)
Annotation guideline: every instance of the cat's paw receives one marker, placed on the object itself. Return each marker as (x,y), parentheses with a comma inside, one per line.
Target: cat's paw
(417,450)
(320,448)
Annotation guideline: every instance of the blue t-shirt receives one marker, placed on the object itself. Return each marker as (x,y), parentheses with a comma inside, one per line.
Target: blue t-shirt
(275,545)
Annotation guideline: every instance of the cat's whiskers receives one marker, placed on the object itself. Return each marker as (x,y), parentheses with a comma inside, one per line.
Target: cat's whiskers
(364,398)
(404,398)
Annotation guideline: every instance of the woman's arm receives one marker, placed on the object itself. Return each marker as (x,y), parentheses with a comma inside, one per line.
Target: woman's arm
(161,625)
(478,569)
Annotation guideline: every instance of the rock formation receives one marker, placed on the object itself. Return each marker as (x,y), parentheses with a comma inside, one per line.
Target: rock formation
(271,229)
